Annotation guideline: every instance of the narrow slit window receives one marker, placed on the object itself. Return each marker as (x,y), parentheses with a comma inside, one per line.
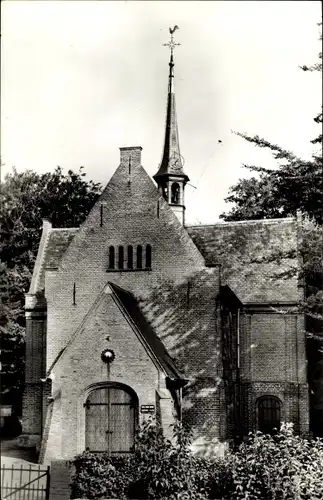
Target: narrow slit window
(148,256)
(139,257)
(120,258)
(130,257)
(111,258)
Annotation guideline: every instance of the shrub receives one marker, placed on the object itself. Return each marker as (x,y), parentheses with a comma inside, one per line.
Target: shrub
(279,467)
(158,469)
(214,477)
(99,476)
(164,469)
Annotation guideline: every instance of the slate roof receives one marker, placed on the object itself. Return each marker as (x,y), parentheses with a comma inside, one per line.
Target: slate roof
(59,240)
(54,247)
(149,335)
(258,259)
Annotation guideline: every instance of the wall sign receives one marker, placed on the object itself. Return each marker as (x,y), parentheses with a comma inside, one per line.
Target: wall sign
(5,411)
(147,409)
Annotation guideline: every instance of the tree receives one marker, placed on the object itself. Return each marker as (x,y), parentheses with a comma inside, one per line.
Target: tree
(295,185)
(25,199)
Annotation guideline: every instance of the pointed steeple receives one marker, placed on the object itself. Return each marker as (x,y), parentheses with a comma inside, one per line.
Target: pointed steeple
(171,178)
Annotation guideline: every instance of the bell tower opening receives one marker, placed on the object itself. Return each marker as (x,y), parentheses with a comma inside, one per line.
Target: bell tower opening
(175,198)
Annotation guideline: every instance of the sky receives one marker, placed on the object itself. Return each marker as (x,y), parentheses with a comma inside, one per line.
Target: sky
(81,79)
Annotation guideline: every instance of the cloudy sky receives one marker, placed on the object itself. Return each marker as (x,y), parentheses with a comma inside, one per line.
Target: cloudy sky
(81,79)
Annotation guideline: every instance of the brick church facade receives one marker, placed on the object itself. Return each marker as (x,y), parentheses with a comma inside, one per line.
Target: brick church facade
(135,313)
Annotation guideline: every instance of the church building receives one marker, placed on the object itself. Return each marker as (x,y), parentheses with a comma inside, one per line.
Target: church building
(135,313)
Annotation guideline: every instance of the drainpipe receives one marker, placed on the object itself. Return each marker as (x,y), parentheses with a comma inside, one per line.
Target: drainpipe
(238,339)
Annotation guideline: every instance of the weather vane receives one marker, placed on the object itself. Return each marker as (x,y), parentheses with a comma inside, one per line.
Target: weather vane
(171,44)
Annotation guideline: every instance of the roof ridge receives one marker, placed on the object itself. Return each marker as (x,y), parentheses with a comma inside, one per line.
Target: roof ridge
(64,228)
(248,221)
(40,258)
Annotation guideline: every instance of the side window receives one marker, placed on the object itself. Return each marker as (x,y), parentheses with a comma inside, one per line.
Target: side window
(130,257)
(269,414)
(120,257)
(111,258)
(139,257)
(148,256)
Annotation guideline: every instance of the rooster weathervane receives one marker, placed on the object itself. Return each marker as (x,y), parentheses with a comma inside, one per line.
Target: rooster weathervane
(171,44)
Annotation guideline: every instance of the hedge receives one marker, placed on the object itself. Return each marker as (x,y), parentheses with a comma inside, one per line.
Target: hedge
(279,467)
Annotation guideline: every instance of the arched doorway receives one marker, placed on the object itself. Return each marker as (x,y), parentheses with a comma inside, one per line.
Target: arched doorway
(110,419)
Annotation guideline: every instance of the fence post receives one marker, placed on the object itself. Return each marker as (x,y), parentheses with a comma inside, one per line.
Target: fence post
(48,483)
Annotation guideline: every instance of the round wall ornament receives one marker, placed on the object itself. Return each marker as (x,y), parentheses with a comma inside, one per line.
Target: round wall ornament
(107,356)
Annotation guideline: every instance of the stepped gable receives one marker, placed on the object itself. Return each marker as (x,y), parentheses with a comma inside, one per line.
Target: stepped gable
(258,258)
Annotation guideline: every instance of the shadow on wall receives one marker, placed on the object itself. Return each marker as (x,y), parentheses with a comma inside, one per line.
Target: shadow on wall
(186,319)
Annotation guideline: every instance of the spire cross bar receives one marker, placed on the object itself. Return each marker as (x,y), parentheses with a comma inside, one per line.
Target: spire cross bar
(171,44)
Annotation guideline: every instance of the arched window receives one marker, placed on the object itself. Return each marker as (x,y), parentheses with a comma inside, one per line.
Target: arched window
(130,257)
(139,257)
(148,256)
(175,193)
(269,414)
(111,258)
(120,258)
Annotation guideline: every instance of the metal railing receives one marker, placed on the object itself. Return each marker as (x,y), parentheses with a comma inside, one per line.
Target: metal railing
(25,482)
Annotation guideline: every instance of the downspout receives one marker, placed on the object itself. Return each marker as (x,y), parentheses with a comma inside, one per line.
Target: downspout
(238,400)
(238,340)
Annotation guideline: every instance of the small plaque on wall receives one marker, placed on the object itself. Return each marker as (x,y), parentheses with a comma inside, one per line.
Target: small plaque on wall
(147,409)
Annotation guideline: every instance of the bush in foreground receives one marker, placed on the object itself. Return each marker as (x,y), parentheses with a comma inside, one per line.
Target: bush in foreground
(283,466)
(280,467)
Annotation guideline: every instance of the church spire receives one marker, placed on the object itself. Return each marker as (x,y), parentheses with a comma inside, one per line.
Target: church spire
(171,178)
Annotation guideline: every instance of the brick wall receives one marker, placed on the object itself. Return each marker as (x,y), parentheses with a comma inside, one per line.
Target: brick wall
(61,471)
(273,363)
(186,319)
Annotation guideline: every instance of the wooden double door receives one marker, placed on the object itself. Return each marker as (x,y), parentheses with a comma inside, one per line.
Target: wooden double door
(110,418)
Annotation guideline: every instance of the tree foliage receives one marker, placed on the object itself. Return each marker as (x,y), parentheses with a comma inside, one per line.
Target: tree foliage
(295,185)
(25,199)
